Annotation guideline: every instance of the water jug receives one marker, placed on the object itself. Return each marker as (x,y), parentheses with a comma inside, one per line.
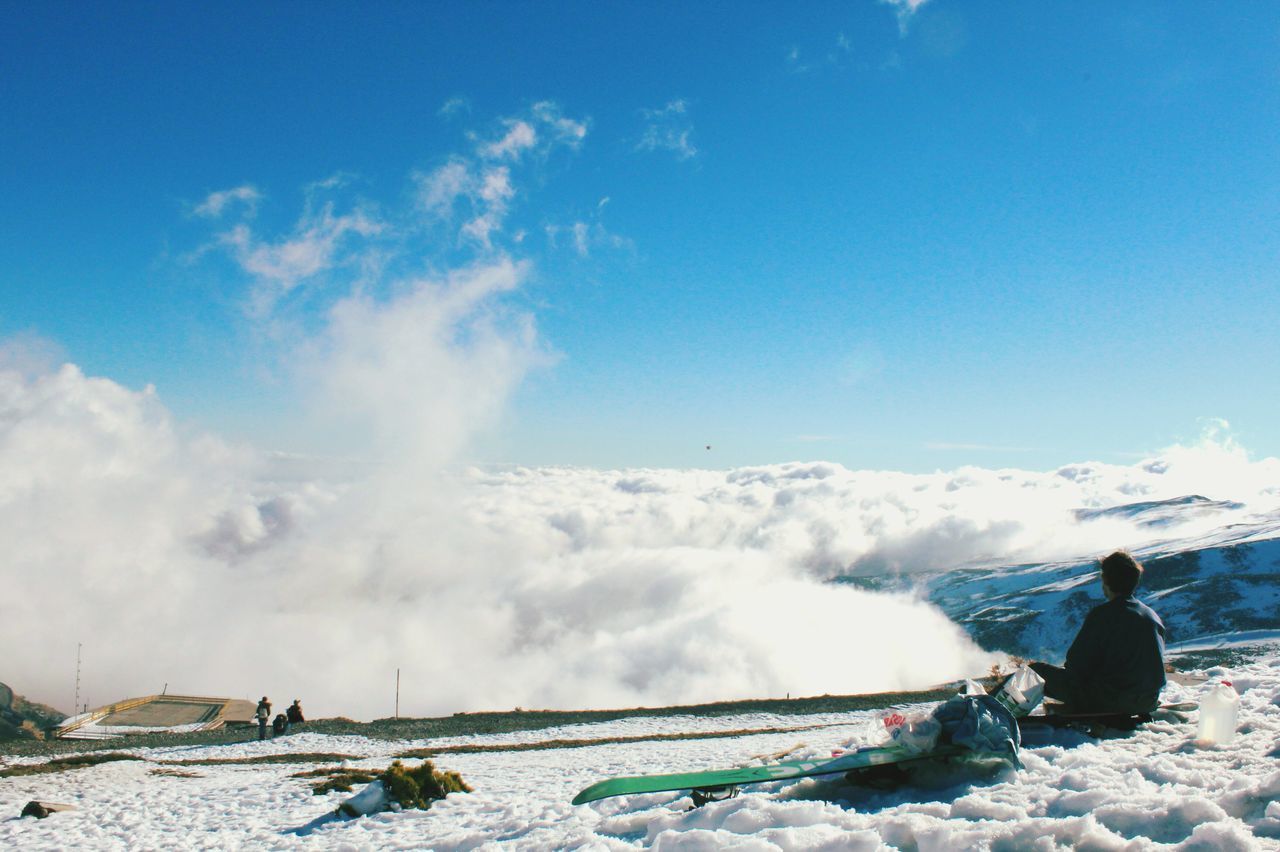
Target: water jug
(1218,711)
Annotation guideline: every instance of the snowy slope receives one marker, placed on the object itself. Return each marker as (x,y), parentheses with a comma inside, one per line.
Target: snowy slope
(1221,582)
(1155,789)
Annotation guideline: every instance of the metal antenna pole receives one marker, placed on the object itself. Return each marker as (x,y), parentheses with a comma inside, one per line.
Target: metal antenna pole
(76,704)
(397,693)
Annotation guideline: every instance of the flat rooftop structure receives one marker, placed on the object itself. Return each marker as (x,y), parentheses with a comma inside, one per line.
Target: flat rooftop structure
(153,714)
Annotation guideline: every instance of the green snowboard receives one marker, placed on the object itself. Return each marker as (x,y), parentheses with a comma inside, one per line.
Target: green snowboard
(719,779)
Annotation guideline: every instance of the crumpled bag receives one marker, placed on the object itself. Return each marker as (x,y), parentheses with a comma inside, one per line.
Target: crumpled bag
(980,723)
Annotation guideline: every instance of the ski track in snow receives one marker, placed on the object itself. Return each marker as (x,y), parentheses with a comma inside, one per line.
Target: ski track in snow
(1155,789)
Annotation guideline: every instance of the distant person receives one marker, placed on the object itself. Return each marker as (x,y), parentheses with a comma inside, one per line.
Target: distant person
(279,725)
(295,712)
(264,715)
(1116,663)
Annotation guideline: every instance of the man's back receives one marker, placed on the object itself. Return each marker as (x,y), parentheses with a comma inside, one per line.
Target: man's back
(1118,656)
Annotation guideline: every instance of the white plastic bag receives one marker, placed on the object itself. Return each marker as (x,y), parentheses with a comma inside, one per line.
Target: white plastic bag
(370,800)
(915,733)
(918,734)
(1022,692)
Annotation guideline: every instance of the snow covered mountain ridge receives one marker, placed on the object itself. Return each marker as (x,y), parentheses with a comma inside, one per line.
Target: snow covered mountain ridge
(1208,588)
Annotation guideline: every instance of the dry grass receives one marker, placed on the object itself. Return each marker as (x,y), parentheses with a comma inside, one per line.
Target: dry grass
(542,745)
(63,764)
(171,772)
(338,778)
(299,757)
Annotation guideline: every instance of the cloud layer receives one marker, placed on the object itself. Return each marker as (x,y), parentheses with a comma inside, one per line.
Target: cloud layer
(177,559)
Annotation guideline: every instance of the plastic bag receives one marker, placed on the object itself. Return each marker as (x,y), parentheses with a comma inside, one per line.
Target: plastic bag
(915,733)
(1022,692)
(919,734)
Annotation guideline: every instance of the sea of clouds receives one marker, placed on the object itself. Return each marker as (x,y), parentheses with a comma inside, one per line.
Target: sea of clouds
(182,559)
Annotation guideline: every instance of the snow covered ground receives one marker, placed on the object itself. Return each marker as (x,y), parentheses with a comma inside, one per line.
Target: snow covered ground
(1155,789)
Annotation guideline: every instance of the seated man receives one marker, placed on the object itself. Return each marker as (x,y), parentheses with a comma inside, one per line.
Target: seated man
(1116,663)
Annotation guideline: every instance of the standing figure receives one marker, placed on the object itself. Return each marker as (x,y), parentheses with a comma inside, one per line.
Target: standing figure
(264,715)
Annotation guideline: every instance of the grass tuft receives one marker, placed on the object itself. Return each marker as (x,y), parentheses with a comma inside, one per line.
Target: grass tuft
(412,787)
(420,786)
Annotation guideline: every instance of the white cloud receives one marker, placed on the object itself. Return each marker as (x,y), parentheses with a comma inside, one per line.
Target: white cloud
(794,63)
(493,192)
(541,130)
(216,203)
(496,188)
(520,136)
(905,10)
(668,129)
(565,130)
(312,248)
(581,234)
(585,236)
(420,373)
(28,354)
(453,106)
(487,192)
(440,189)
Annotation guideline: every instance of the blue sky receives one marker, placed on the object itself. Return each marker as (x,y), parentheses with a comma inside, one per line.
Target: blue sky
(964,233)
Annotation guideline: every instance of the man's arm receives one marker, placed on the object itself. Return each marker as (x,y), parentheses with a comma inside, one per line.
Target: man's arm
(1086,650)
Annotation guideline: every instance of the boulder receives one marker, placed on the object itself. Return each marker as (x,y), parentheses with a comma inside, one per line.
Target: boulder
(40,810)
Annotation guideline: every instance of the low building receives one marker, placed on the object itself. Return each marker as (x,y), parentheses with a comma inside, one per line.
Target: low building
(154,714)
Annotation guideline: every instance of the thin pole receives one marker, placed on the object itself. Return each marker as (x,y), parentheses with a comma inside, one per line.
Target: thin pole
(75,704)
(397,693)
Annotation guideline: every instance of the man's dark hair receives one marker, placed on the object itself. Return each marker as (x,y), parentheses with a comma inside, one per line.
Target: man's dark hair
(1121,573)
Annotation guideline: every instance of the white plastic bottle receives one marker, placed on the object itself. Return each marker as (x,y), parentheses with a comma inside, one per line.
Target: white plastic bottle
(1219,710)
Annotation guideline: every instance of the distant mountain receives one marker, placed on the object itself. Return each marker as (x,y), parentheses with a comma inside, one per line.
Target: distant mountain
(1161,513)
(1204,588)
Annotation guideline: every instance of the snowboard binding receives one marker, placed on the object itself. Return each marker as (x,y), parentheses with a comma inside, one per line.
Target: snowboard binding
(705,795)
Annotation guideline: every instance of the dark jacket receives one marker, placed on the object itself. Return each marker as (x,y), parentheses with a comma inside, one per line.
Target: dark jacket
(1118,656)
(295,714)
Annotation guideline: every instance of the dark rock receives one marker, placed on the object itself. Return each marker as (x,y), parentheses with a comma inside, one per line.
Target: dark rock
(40,810)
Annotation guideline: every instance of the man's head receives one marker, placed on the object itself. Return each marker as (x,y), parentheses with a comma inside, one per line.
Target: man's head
(1121,573)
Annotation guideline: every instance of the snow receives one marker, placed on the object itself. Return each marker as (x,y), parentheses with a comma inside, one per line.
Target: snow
(1154,789)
